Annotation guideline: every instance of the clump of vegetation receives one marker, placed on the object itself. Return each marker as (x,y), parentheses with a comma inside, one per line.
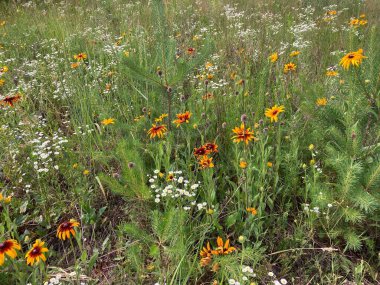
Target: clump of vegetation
(189,142)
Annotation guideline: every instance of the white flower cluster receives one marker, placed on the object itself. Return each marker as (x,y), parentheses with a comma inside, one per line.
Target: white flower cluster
(282,281)
(247,276)
(175,187)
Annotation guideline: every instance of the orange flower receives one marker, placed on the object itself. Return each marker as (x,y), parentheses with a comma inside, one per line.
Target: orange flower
(36,253)
(321,102)
(273,57)
(66,228)
(243,164)
(10,100)
(223,248)
(206,251)
(211,147)
(206,162)
(8,247)
(157,130)
(243,134)
(182,118)
(80,56)
(253,211)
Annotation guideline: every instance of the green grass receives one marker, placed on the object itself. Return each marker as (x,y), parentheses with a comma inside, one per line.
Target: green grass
(313,176)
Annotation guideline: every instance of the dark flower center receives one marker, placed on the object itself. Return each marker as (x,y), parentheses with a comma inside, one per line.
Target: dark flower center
(351,56)
(36,251)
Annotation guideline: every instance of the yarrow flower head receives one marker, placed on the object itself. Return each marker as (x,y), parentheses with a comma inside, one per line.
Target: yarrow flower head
(36,253)
(353,58)
(8,247)
(273,112)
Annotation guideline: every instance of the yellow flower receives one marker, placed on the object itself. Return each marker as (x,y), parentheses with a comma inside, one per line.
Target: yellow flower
(160,118)
(2,82)
(66,228)
(273,57)
(312,162)
(36,253)
(86,172)
(269,164)
(363,22)
(126,53)
(8,247)
(354,22)
(295,53)
(243,164)
(332,73)
(206,162)
(210,211)
(289,67)
(321,102)
(273,112)
(208,65)
(223,248)
(75,165)
(311,147)
(4,69)
(108,121)
(353,58)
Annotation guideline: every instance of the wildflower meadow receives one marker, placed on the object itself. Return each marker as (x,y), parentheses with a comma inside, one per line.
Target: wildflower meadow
(168,142)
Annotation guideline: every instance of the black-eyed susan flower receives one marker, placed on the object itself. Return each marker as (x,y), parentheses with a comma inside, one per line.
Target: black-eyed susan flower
(157,130)
(8,247)
(273,112)
(353,58)
(36,253)
(243,134)
(321,102)
(109,121)
(66,228)
(273,57)
(4,69)
(182,118)
(290,67)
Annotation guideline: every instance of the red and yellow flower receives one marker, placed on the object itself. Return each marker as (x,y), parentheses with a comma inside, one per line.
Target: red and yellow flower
(8,247)
(66,228)
(157,130)
(36,253)
(243,134)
